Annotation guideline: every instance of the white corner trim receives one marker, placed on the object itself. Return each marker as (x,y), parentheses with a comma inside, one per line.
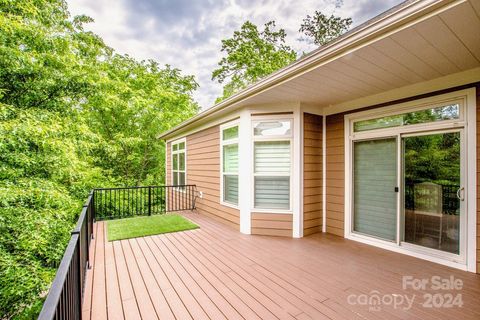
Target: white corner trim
(471,178)
(347,193)
(324,173)
(297,173)
(166,163)
(245,182)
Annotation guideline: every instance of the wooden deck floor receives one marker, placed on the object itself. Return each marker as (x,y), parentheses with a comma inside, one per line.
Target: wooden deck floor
(217,273)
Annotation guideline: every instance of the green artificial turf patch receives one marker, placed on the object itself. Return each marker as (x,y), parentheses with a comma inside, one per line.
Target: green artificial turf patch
(147,226)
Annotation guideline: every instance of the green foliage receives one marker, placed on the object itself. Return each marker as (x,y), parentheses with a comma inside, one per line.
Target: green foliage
(433,158)
(133,103)
(321,29)
(251,55)
(73,116)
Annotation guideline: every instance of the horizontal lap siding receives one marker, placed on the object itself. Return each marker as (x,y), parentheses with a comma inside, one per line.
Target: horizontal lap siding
(478,178)
(203,170)
(335,157)
(312,174)
(272,224)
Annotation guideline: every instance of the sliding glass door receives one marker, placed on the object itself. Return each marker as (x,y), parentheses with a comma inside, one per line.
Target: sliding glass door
(428,184)
(406,182)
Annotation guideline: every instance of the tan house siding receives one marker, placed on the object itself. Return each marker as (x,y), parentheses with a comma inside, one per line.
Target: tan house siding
(312,176)
(335,158)
(272,224)
(478,177)
(203,170)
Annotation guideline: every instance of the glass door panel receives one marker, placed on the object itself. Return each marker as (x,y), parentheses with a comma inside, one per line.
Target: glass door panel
(375,181)
(432,185)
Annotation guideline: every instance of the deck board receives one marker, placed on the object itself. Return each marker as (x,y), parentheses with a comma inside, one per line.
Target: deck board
(215,272)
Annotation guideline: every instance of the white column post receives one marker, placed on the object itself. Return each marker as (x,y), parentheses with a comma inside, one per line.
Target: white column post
(245,183)
(324,173)
(297,173)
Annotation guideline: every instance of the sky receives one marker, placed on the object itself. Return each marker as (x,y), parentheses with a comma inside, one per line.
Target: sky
(187,34)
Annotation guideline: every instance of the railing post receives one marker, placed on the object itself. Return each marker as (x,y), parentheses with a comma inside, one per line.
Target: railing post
(79,278)
(93,205)
(149,200)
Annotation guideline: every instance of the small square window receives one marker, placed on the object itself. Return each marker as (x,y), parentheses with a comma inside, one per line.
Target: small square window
(272,128)
(230,133)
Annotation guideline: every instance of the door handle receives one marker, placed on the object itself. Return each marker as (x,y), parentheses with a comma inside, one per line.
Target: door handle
(460,193)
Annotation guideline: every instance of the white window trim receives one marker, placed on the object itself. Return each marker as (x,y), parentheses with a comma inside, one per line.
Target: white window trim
(468,122)
(178,141)
(288,138)
(235,123)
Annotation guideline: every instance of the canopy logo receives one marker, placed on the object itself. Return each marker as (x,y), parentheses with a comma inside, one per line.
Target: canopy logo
(434,292)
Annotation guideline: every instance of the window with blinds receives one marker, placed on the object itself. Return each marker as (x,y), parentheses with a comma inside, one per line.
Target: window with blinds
(272,164)
(229,150)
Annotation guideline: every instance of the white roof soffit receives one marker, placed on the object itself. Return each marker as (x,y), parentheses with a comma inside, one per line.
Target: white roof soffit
(332,57)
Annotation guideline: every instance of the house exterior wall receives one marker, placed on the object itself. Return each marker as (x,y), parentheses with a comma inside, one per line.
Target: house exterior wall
(335,172)
(203,170)
(272,224)
(312,174)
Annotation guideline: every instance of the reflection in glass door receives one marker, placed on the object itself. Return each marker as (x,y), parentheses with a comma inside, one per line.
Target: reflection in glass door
(432,190)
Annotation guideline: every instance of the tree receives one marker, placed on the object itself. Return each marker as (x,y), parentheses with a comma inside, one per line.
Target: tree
(134,102)
(73,116)
(251,55)
(321,29)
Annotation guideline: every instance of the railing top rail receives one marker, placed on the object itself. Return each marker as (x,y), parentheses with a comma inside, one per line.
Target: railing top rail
(78,226)
(89,199)
(53,297)
(145,187)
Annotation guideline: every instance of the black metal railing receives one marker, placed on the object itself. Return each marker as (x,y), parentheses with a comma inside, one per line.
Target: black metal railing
(64,300)
(116,203)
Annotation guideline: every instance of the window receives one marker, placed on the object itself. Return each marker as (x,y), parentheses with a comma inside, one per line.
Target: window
(272,164)
(229,150)
(441,113)
(178,163)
